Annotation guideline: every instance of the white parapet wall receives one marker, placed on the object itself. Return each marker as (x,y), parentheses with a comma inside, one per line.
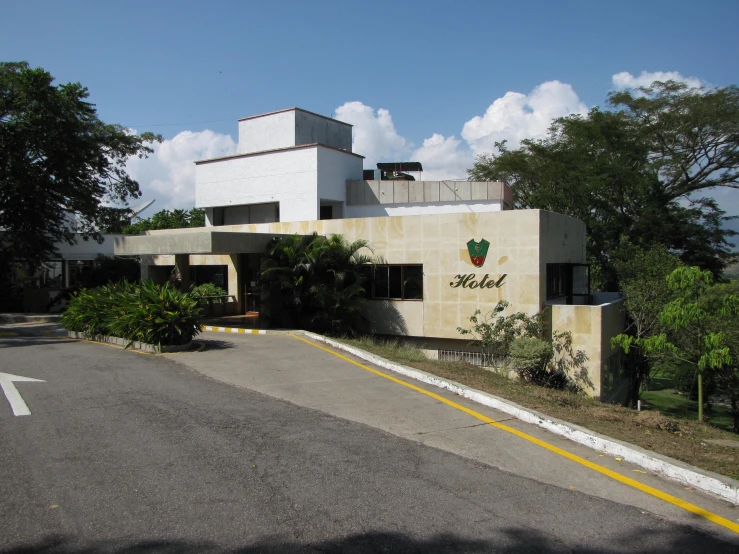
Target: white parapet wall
(294,178)
(367,198)
(292,127)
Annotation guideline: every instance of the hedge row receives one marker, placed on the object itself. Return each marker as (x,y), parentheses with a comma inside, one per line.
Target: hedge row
(145,312)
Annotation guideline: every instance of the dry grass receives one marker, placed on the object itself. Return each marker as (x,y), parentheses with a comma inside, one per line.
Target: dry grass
(682,439)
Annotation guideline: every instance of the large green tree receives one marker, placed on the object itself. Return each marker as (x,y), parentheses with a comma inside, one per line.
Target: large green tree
(61,168)
(166,219)
(726,377)
(637,169)
(642,275)
(692,333)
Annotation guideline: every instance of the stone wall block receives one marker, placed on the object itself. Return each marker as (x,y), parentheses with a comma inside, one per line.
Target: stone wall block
(479,190)
(400,192)
(463,190)
(415,191)
(431,191)
(447,192)
(386,192)
(372,193)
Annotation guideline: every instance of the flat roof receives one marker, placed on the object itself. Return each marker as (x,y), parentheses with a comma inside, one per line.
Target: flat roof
(287,148)
(293,110)
(206,240)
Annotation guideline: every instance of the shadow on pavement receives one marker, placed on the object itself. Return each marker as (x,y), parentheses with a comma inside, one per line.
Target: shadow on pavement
(212,344)
(512,540)
(21,340)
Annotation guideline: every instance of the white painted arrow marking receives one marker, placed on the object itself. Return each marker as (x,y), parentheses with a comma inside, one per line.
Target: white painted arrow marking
(17,404)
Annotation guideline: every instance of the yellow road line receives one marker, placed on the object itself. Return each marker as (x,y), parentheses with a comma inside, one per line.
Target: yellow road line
(692,508)
(233,330)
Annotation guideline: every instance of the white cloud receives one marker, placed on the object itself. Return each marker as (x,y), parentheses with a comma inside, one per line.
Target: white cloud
(374,135)
(625,79)
(442,158)
(517,116)
(512,117)
(168,175)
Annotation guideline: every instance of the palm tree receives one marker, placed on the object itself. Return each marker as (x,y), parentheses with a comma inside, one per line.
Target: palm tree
(315,282)
(338,293)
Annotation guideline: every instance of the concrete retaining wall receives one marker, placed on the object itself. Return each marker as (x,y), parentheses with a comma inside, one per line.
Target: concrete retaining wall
(133,345)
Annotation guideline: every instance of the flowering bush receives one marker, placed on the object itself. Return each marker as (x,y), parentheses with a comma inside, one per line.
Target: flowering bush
(145,312)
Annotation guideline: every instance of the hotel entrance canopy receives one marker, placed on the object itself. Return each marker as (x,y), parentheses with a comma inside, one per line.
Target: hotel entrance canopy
(193,242)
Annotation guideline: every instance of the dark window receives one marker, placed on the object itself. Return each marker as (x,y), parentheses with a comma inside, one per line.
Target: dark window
(413,282)
(216,274)
(571,281)
(397,282)
(381,282)
(559,280)
(327,212)
(218,215)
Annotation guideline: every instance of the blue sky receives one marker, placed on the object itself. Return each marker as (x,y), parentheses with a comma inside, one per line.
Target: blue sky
(434,81)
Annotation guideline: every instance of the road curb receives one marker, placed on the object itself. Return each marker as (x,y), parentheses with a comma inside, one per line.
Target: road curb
(714,484)
(243,331)
(129,344)
(30,318)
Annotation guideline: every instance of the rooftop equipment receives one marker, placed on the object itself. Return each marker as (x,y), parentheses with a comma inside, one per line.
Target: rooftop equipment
(387,171)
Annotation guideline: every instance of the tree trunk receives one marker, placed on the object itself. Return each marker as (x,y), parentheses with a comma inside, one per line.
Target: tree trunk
(700,395)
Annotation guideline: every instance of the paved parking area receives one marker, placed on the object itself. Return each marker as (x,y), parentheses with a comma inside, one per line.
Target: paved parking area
(269,443)
(285,367)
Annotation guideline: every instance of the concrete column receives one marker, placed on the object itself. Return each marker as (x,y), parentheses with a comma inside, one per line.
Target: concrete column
(182,262)
(235,278)
(145,262)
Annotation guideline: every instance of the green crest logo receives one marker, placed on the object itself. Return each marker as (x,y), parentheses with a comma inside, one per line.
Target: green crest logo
(478,251)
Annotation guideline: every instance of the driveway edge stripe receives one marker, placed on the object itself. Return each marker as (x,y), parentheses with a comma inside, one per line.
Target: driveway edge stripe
(720,486)
(715,518)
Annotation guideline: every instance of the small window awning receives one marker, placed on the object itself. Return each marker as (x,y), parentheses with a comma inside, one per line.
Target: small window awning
(197,242)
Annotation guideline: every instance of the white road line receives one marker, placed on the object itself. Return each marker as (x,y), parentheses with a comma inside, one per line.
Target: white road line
(17,404)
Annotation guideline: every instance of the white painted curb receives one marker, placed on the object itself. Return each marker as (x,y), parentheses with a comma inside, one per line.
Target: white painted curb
(247,331)
(234,330)
(717,485)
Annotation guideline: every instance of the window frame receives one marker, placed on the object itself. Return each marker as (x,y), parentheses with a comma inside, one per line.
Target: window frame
(563,273)
(372,291)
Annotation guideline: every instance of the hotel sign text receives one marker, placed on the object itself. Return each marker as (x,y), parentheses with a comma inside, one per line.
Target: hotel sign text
(467,281)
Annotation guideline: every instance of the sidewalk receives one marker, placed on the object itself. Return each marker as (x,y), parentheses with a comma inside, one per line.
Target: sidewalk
(287,368)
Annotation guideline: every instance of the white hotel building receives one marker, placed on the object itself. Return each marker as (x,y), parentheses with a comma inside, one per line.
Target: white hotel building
(295,172)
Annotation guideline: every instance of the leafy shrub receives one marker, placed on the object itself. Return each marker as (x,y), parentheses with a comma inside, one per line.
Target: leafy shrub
(530,354)
(146,312)
(495,332)
(532,358)
(89,310)
(209,289)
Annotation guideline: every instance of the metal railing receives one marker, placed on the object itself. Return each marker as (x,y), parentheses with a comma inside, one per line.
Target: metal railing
(475,358)
(218,304)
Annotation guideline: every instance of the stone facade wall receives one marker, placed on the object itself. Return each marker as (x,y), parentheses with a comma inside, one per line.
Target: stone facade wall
(592,328)
(439,242)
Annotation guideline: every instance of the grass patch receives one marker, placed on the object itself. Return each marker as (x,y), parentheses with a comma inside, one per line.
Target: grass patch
(673,404)
(684,439)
